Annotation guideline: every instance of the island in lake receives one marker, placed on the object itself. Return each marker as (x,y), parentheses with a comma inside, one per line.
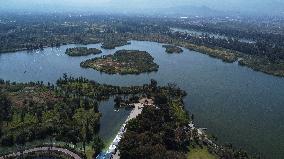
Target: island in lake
(123,62)
(112,44)
(172,49)
(82,51)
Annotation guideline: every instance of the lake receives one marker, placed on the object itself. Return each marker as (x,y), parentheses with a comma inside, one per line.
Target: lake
(235,103)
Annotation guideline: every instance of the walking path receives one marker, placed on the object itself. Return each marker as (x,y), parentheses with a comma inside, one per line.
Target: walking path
(41,149)
(138,107)
(203,136)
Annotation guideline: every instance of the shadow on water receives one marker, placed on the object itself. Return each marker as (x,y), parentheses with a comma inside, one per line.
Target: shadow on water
(111,120)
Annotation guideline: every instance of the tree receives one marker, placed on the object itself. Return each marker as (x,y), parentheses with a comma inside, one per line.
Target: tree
(7,140)
(97,145)
(153,84)
(87,120)
(80,118)
(118,100)
(5,108)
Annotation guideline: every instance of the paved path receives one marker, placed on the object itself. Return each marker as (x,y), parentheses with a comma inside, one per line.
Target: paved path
(202,134)
(138,107)
(40,149)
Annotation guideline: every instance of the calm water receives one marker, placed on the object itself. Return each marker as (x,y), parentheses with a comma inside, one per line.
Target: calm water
(111,120)
(238,105)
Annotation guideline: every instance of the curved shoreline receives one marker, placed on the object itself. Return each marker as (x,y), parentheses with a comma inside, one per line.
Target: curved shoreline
(43,149)
(226,55)
(123,62)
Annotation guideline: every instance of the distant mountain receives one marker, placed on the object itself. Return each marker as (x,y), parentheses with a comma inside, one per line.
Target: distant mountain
(275,8)
(161,7)
(192,11)
(250,9)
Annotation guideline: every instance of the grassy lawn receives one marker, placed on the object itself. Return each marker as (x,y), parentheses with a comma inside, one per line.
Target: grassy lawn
(199,153)
(89,152)
(179,113)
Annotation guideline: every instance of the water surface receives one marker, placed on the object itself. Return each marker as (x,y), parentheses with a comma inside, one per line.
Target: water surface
(111,121)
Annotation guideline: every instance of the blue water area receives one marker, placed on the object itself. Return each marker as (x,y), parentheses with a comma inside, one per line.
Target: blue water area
(104,156)
(111,120)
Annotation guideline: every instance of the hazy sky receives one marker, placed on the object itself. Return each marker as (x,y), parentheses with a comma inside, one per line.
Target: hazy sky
(232,5)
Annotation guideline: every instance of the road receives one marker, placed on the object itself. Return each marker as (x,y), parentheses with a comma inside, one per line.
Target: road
(40,149)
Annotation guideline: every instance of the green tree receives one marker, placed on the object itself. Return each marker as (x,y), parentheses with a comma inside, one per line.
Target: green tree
(81,117)
(97,145)
(5,108)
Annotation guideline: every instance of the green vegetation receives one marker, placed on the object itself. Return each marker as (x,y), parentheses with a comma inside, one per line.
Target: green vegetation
(68,112)
(112,32)
(99,92)
(35,112)
(82,51)
(172,49)
(157,132)
(224,54)
(198,153)
(162,131)
(113,43)
(123,62)
(177,111)
(263,65)
(64,113)
(56,155)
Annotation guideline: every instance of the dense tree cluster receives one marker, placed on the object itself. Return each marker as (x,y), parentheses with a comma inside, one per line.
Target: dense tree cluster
(172,49)
(123,62)
(112,43)
(158,132)
(82,51)
(67,112)
(259,47)
(70,119)
(82,86)
(38,31)
(273,51)
(152,135)
(162,131)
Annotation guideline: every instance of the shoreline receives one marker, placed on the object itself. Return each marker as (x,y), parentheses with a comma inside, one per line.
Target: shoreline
(226,55)
(137,110)
(123,62)
(114,153)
